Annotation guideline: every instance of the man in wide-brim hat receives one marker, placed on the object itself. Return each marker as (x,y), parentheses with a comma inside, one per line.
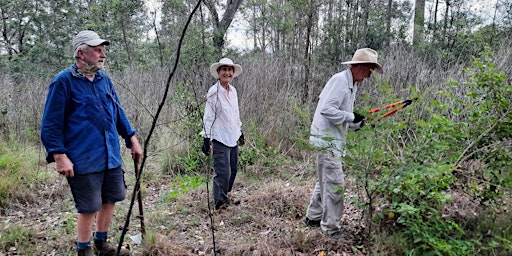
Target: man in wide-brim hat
(333,116)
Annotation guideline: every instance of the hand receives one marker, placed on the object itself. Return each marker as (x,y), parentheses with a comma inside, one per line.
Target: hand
(206,146)
(64,165)
(136,150)
(241,140)
(358,118)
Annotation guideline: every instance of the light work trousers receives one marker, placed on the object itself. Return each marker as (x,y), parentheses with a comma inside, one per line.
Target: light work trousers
(326,202)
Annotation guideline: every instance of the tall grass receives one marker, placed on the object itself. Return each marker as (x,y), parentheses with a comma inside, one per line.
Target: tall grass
(19,171)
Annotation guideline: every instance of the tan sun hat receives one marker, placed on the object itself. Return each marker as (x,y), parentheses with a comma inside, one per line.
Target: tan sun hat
(225,62)
(365,55)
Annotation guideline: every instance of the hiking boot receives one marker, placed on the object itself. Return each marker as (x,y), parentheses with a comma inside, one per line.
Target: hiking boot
(311,223)
(231,201)
(85,252)
(220,206)
(102,248)
(338,234)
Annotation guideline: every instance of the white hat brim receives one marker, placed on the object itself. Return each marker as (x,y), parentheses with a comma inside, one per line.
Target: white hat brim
(215,66)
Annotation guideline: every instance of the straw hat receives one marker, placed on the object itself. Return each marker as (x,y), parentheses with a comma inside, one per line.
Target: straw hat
(365,55)
(225,62)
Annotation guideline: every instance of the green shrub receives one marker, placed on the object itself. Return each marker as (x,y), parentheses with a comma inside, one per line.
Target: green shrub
(18,237)
(406,167)
(183,184)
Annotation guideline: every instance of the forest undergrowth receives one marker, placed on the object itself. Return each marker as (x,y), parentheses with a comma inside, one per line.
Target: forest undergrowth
(432,179)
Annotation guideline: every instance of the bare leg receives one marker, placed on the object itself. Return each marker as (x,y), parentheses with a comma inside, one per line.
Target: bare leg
(84,226)
(105,217)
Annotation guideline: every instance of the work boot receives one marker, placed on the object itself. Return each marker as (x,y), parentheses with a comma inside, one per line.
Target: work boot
(338,234)
(311,223)
(102,248)
(220,206)
(231,201)
(85,252)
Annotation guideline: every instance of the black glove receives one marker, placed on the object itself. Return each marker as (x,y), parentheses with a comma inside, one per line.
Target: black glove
(357,118)
(206,146)
(360,125)
(241,140)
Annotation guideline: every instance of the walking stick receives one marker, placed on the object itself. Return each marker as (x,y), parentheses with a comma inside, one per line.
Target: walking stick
(138,193)
(139,199)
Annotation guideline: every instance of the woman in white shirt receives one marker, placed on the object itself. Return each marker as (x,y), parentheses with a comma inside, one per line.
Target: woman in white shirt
(222,130)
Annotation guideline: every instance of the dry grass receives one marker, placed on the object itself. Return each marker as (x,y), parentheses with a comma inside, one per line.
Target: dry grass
(267,222)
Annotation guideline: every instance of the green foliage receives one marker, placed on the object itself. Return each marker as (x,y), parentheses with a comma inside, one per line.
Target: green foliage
(487,108)
(183,184)
(493,231)
(17,173)
(301,131)
(408,168)
(17,236)
(258,151)
(416,197)
(411,177)
(184,154)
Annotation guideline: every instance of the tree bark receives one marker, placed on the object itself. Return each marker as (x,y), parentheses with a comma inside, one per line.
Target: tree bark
(364,29)
(388,22)
(220,26)
(307,60)
(435,28)
(419,22)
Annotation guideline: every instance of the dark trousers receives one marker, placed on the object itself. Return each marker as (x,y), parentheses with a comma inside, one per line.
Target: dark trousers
(225,166)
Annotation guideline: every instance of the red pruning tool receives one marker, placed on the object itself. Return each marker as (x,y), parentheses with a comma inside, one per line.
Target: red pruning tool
(393,106)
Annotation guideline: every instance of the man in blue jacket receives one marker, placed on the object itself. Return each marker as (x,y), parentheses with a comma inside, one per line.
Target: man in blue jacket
(80,129)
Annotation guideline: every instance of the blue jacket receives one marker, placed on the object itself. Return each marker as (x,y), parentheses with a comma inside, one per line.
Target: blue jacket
(84,119)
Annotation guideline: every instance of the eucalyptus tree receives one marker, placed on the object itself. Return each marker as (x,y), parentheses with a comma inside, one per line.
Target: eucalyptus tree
(52,34)
(257,15)
(16,17)
(419,21)
(36,35)
(173,18)
(221,24)
(348,25)
(198,47)
(123,22)
(386,23)
(450,30)
(39,32)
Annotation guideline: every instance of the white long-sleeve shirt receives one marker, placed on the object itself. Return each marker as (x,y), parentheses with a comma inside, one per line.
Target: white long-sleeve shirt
(221,116)
(334,113)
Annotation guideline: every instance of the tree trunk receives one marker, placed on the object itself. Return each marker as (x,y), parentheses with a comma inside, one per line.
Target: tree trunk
(434,29)
(445,25)
(388,22)
(221,26)
(126,44)
(419,22)
(305,93)
(364,29)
